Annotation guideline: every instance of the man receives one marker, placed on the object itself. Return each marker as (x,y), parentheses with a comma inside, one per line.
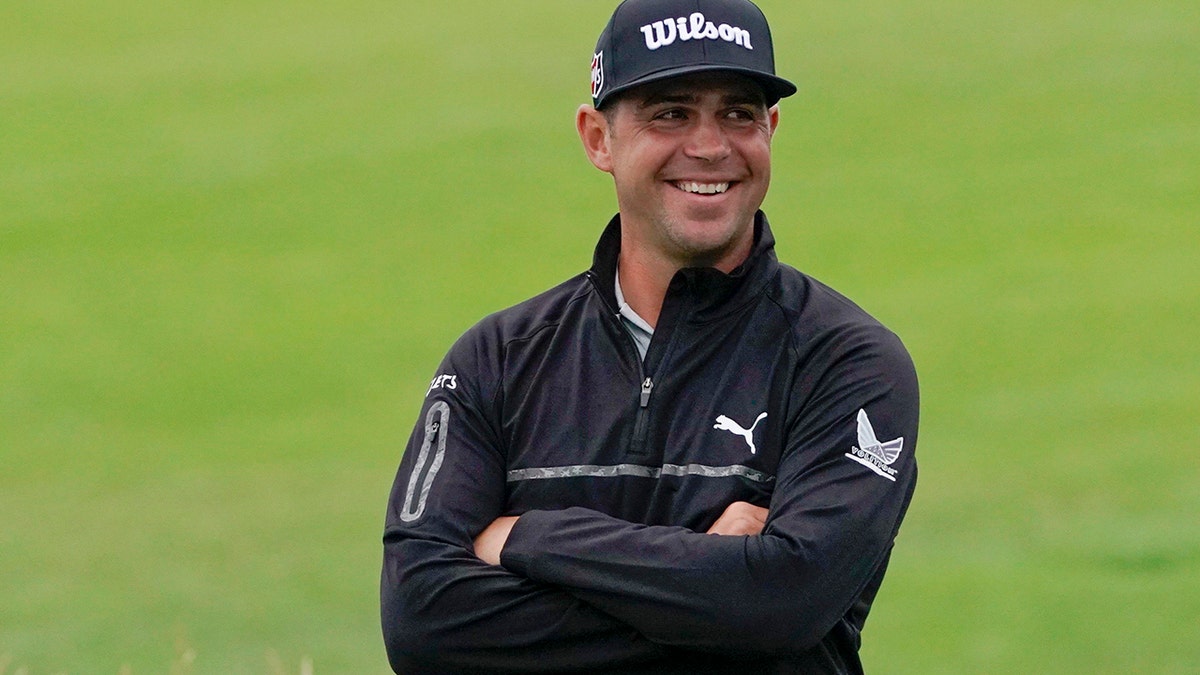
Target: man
(691,458)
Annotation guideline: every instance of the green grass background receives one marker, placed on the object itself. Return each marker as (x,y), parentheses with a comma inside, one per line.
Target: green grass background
(237,237)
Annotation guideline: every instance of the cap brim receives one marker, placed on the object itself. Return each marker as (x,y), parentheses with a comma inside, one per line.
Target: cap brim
(773,87)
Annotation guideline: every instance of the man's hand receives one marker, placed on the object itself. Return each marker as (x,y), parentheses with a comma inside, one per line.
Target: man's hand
(490,542)
(739,518)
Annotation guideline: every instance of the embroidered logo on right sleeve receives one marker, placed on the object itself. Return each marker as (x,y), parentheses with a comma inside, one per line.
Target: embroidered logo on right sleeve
(876,456)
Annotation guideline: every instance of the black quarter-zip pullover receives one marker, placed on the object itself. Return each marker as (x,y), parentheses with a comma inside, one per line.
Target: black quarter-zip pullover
(762,385)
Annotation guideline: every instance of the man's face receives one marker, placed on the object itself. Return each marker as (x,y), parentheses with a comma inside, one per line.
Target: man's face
(691,159)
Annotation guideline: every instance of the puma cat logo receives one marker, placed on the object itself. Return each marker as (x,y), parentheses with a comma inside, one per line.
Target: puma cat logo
(726,424)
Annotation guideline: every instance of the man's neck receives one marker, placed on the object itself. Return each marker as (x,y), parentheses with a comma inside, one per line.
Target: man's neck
(644,284)
(645,277)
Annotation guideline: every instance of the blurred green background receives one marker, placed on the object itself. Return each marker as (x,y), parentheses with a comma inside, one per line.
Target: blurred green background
(237,237)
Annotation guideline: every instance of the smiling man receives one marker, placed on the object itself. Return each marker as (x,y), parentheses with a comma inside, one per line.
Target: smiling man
(691,160)
(672,462)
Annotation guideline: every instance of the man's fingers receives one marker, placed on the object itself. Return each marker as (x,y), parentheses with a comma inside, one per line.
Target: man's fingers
(740,518)
(490,542)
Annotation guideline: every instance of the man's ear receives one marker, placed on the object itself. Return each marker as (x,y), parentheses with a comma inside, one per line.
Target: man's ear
(592,126)
(773,118)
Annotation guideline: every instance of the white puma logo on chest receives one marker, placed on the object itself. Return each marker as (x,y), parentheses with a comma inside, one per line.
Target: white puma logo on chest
(726,424)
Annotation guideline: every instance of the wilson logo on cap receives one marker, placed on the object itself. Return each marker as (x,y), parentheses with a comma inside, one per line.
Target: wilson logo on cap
(650,40)
(695,27)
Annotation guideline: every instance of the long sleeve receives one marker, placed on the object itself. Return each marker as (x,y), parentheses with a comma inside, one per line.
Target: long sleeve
(443,610)
(832,520)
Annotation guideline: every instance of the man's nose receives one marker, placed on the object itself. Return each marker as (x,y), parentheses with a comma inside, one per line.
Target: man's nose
(708,141)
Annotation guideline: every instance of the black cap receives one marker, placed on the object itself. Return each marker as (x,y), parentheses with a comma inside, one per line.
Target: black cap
(649,40)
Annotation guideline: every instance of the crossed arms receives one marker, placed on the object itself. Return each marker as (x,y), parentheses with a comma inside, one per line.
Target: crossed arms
(739,518)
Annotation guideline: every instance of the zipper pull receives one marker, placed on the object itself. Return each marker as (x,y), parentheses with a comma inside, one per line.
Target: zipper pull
(647,387)
(638,445)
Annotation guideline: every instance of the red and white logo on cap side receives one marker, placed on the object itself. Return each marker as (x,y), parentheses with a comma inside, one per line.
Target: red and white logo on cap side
(597,74)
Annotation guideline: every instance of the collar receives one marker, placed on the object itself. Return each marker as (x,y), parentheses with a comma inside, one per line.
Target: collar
(625,310)
(713,292)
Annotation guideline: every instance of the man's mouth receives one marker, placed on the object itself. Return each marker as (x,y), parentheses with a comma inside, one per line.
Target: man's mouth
(701,188)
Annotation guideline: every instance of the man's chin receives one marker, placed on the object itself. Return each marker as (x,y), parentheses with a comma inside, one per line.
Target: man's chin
(708,245)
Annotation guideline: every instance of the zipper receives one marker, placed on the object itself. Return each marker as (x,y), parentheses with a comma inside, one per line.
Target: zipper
(647,389)
(639,425)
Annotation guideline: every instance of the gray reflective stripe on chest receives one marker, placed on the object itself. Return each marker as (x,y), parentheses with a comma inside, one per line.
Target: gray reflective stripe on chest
(437,421)
(638,470)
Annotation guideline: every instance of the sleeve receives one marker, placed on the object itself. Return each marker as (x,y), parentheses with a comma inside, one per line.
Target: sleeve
(831,524)
(443,610)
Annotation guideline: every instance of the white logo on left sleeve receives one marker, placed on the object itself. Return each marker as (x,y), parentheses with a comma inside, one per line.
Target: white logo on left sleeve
(876,456)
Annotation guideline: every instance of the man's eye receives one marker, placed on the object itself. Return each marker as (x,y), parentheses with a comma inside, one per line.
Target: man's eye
(672,115)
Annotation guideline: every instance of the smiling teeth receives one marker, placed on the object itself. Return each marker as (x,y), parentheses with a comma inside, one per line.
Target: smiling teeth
(703,188)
